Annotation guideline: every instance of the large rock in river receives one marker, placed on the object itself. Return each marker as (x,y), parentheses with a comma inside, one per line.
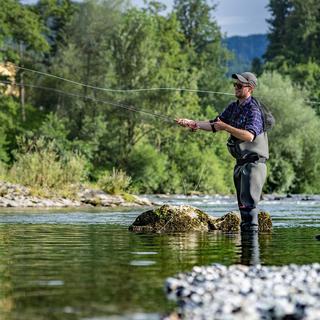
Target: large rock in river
(186,218)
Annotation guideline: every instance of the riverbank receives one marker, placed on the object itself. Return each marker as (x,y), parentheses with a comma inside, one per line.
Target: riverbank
(247,292)
(17,196)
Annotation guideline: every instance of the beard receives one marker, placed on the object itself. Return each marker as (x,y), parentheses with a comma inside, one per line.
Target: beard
(240,94)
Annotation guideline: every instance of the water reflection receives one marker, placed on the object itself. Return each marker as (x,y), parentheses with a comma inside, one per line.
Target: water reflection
(252,247)
(250,251)
(56,270)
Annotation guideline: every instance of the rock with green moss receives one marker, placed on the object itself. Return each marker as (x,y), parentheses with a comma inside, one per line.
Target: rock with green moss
(169,218)
(265,222)
(172,219)
(229,222)
(183,219)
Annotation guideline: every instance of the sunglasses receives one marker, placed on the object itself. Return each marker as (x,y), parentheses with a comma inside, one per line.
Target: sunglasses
(239,85)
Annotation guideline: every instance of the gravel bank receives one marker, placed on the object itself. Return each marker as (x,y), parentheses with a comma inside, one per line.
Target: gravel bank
(17,196)
(247,293)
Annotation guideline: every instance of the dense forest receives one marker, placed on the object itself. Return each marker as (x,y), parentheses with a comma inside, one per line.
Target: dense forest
(100,127)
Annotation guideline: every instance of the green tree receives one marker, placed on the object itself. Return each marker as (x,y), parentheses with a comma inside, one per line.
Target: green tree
(203,43)
(293,43)
(294,155)
(55,16)
(257,66)
(146,53)
(19,27)
(280,11)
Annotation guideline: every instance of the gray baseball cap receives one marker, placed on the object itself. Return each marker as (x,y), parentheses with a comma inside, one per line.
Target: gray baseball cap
(246,77)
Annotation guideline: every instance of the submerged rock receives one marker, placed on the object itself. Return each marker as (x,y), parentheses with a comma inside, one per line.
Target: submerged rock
(169,218)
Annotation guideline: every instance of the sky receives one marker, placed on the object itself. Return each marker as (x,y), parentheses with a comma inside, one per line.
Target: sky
(235,17)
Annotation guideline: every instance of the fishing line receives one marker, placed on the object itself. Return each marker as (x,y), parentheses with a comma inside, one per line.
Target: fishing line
(130,108)
(122,90)
(135,90)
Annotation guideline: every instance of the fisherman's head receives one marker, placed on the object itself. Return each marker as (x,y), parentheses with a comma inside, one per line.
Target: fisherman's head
(244,84)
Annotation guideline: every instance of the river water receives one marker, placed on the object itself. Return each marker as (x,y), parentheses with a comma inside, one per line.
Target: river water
(85,264)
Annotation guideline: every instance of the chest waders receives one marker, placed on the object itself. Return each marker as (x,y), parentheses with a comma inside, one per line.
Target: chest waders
(249,176)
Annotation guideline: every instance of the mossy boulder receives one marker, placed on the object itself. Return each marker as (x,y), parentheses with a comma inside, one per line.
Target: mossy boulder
(169,218)
(229,222)
(265,222)
(172,219)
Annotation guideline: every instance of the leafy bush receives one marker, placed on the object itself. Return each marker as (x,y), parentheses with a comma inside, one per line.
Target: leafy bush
(148,168)
(201,169)
(39,167)
(116,182)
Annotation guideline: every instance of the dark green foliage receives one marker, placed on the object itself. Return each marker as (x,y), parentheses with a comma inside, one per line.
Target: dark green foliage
(257,66)
(55,16)
(19,26)
(107,45)
(294,43)
(203,43)
(294,152)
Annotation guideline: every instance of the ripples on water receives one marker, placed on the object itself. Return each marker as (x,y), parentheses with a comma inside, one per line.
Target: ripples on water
(86,265)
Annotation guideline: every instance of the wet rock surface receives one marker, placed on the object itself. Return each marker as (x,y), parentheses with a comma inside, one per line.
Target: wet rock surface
(242,292)
(17,196)
(168,218)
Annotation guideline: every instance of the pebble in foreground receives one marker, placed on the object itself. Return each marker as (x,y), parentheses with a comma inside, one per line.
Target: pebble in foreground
(241,292)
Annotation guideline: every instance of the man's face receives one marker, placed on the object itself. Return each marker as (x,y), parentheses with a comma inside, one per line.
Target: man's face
(241,90)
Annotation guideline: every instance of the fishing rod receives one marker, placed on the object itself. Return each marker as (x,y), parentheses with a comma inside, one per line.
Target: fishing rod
(70,94)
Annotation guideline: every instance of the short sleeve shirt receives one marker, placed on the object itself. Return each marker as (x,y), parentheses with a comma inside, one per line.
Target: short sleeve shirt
(246,116)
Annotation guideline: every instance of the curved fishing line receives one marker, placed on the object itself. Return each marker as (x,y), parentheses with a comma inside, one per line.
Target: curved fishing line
(122,90)
(130,108)
(135,90)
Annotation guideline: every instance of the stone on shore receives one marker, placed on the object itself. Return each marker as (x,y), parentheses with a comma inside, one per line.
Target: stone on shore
(18,196)
(100,198)
(247,292)
(168,218)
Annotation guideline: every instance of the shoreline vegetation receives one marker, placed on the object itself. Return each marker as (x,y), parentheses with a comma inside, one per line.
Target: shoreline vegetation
(44,177)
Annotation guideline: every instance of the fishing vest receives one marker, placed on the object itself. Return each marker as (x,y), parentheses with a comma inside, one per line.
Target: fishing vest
(240,149)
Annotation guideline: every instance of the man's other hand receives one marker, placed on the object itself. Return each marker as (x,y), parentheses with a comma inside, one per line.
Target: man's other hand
(220,125)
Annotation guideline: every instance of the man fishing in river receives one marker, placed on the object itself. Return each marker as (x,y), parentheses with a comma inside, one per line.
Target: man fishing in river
(246,121)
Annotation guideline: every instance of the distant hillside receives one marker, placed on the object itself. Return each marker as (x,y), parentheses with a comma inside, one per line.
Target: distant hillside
(245,49)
